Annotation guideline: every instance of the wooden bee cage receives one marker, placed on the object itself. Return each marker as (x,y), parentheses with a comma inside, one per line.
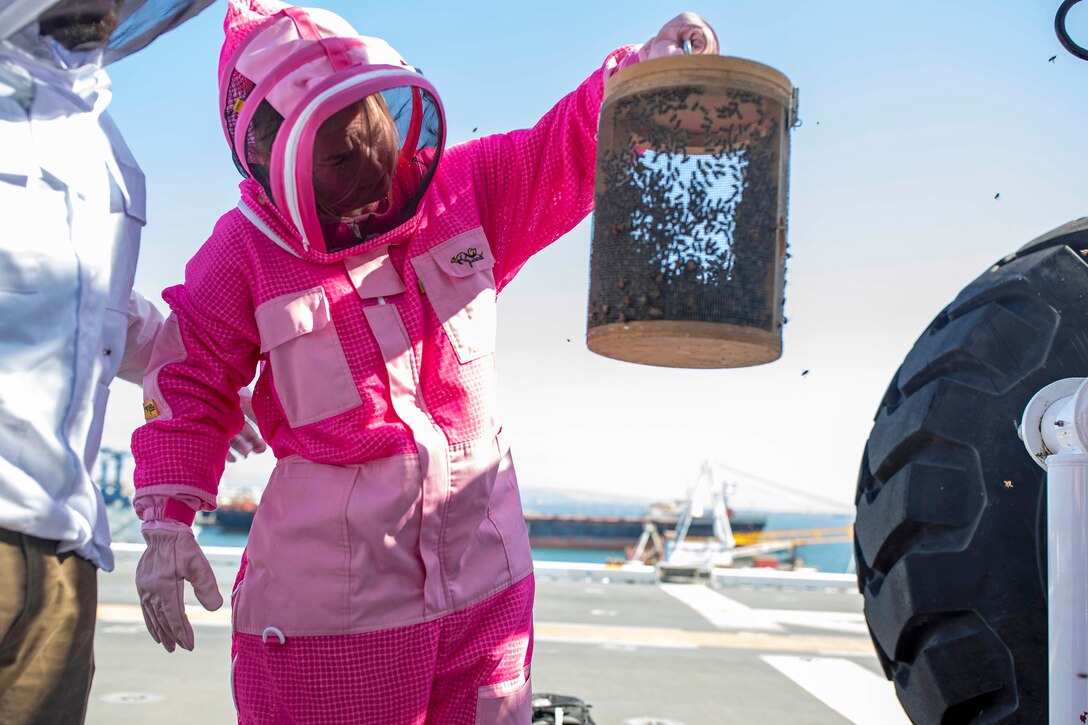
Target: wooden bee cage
(687,266)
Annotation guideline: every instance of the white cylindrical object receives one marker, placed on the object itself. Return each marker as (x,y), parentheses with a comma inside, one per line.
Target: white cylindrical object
(1038,427)
(1067,604)
(1059,433)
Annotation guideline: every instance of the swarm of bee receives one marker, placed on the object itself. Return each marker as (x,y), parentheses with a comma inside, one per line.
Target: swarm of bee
(685,223)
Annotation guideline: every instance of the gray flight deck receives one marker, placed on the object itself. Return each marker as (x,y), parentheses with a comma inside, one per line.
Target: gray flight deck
(742,650)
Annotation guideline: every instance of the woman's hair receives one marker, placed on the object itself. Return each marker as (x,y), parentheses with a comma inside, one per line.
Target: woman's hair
(378,130)
(267,121)
(377,114)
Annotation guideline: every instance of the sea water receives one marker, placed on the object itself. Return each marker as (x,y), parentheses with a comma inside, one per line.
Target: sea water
(836,557)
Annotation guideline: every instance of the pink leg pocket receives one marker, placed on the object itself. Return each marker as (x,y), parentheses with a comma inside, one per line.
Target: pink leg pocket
(333,550)
(507,703)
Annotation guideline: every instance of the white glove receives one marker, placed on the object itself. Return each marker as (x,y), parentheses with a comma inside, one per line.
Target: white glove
(172,556)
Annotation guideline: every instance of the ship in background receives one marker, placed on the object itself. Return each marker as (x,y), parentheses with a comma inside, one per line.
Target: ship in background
(620,529)
(636,531)
(564,520)
(598,531)
(605,532)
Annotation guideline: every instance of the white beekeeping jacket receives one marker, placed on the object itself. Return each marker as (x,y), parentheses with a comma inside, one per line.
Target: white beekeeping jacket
(71,211)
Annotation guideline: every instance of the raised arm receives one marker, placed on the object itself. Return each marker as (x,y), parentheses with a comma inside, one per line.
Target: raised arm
(534,185)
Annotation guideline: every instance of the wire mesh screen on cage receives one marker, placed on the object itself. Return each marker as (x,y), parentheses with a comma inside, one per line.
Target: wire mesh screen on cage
(688,255)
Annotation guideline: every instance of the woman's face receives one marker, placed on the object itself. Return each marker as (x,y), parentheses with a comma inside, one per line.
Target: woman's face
(355,159)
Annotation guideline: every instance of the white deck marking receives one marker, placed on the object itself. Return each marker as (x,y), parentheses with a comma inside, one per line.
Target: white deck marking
(726,613)
(846,622)
(856,693)
(119,614)
(720,610)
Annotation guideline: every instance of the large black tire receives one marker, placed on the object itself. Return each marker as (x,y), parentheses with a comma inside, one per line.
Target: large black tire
(950,538)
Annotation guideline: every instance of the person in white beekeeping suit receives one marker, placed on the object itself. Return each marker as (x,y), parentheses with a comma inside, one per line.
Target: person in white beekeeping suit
(71,212)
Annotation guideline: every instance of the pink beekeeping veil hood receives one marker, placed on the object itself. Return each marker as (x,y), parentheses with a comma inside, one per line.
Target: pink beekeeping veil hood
(341,132)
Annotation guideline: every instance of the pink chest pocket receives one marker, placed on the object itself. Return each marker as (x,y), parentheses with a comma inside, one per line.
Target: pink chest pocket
(310,373)
(459,283)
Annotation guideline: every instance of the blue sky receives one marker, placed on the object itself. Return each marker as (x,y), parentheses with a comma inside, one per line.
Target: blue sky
(915,116)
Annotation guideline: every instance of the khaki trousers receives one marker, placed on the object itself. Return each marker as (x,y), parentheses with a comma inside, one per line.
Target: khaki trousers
(47,616)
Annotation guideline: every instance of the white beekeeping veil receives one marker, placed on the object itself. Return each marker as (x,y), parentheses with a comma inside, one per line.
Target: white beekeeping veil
(141,21)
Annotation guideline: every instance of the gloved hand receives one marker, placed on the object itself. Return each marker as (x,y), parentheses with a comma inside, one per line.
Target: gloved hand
(248,439)
(670,39)
(172,556)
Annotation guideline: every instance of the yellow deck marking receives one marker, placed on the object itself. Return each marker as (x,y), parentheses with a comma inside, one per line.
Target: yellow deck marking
(663,637)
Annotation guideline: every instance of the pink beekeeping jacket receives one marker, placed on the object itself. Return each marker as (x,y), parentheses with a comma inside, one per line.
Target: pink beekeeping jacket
(379,350)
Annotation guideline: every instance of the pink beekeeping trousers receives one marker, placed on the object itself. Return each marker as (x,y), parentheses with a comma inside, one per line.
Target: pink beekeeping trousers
(465,668)
(331,614)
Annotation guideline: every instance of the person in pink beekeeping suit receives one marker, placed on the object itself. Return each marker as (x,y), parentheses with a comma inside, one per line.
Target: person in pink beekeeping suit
(388,577)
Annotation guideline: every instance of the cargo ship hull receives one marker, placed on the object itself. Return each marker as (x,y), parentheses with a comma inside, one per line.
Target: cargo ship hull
(614,533)
(553,531)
